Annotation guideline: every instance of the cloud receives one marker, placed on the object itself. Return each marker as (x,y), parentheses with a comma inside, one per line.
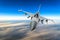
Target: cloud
(44,32)
(13,18)
(18,32)
(12,24)
(13,32)
(3,18)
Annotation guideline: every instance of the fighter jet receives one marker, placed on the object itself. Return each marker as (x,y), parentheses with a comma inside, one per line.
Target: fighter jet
(35,18)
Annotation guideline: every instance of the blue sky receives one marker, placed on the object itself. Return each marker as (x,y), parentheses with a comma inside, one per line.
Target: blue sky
(11,7)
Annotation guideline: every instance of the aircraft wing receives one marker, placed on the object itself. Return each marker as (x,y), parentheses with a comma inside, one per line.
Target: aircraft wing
(43,18)
(26,13)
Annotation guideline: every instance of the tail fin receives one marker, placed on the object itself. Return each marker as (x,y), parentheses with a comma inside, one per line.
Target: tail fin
(39,8)
(37,13)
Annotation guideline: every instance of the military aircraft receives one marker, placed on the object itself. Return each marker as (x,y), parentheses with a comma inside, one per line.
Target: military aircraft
(35,18)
